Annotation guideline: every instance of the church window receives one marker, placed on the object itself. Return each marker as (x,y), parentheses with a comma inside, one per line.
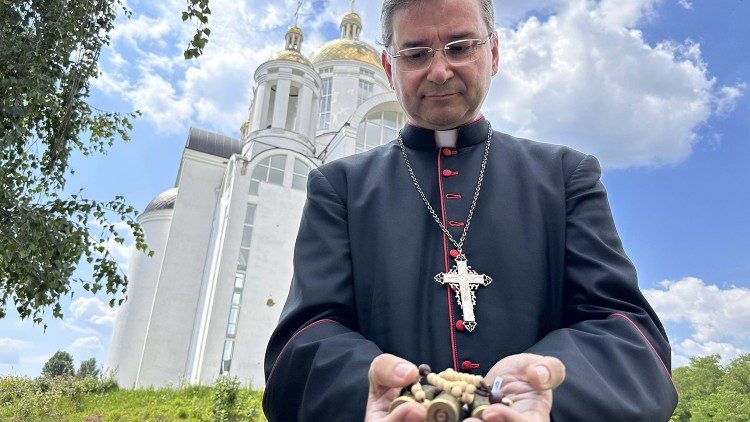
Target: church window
(299,177)
(366,72)
(365,92)
(269,109)
(247,236)
(378,128)
(270,170)
(226,356)
(292,106)
(326,94)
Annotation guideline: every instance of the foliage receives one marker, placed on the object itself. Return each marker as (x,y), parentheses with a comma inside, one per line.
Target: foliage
(60,364)
(49,54)
(226,390)
(90,399)
(710,392)
(88,369)
(199,10)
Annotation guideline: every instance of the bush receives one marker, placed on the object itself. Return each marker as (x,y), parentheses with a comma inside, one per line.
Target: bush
(226,390)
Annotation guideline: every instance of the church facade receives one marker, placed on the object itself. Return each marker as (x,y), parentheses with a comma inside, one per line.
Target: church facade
(206,303)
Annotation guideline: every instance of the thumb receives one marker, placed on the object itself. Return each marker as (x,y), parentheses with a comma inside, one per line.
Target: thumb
(546,374)
(391,371)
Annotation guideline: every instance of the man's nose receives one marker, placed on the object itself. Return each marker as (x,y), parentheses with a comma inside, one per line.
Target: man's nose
(440,69)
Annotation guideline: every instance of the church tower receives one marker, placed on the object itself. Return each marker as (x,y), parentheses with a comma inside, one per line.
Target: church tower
(285,101)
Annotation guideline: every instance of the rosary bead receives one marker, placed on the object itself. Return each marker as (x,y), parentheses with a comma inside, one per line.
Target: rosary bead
(467,398)
(495,397)
(456,391)
(506,401)
(431,378)
(419,395)
(416,387)
(424,369)
(471,388)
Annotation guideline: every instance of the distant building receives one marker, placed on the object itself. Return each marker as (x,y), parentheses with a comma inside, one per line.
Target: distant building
(206,303)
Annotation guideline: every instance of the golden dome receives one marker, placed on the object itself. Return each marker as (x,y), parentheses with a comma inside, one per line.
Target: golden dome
(347,49)
(292,56)
(351,17)
(294,29)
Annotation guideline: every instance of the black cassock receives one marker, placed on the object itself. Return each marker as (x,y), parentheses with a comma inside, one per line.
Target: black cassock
(368,251)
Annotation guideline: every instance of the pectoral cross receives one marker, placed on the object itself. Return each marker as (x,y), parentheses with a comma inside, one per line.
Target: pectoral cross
(464,281)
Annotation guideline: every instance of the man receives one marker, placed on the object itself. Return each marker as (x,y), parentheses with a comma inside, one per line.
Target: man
(384,258)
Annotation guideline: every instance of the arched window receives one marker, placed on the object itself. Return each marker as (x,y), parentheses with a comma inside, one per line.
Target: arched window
(271,170)
(378,128)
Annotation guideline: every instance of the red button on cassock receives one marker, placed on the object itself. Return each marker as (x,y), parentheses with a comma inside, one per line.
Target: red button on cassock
(447,173)
(468,366)
(460,325)
(453,253)
(448,152)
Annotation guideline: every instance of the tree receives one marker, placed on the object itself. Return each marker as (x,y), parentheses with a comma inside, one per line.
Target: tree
(60,364)
(711,392)
(49,53)
(88,369)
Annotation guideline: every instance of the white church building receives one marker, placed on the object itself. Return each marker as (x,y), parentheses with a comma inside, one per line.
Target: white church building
(206,303)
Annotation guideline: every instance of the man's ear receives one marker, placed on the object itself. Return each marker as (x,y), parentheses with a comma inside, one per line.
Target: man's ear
(495,53)
(385,60)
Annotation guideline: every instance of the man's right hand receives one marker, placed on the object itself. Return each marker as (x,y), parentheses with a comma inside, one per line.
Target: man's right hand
(388,375)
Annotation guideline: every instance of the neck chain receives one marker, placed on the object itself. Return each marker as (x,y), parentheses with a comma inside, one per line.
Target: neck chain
(463,280)
(459,245)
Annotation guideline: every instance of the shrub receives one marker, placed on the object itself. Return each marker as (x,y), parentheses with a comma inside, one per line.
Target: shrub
(226,390)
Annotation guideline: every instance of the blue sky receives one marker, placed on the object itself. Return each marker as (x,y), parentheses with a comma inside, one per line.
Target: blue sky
(655,88)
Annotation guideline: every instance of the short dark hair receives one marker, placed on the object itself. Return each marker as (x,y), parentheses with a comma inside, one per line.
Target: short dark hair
(391,6)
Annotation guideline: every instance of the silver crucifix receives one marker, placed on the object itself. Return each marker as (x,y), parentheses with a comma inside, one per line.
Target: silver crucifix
(464,281)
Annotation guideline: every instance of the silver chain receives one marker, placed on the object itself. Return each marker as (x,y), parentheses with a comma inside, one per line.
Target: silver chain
(459,245)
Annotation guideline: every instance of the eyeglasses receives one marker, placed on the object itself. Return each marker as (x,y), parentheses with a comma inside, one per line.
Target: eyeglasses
(456,52)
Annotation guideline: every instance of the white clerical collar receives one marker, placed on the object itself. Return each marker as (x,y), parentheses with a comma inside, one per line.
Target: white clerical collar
(446,138)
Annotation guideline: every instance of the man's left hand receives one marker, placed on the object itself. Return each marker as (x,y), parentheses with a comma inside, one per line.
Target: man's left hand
(528,380)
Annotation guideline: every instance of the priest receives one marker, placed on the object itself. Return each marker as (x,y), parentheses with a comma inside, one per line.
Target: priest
(461,247)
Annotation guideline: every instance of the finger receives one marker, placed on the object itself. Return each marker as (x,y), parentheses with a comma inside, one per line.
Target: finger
(545,374)
(408,412)
(391,371)
(501,413)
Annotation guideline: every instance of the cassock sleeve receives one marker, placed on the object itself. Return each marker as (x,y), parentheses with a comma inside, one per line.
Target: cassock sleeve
(615,351)
(316,362)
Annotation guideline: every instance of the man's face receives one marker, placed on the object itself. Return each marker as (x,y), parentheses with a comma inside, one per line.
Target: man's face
(444,95)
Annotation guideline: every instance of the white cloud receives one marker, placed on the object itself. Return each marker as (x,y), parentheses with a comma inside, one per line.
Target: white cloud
(584,79)
(10,350)
(85,346)
(685,4)
(717,317)
(91,315)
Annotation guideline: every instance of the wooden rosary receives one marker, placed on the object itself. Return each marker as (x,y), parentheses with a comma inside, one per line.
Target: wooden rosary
(451,396)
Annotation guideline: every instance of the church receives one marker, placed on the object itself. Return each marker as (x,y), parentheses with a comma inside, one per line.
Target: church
(207,301)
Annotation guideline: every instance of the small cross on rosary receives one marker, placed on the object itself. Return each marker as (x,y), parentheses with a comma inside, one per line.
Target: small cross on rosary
(464,281)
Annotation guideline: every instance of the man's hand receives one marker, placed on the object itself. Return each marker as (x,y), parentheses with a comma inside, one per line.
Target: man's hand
(388,375)
(528,380)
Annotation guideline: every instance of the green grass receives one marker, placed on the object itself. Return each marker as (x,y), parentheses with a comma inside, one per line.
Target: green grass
(92,400)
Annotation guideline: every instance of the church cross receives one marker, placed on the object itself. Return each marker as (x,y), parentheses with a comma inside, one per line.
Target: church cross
(464,281)
(296,12)
(352,5)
